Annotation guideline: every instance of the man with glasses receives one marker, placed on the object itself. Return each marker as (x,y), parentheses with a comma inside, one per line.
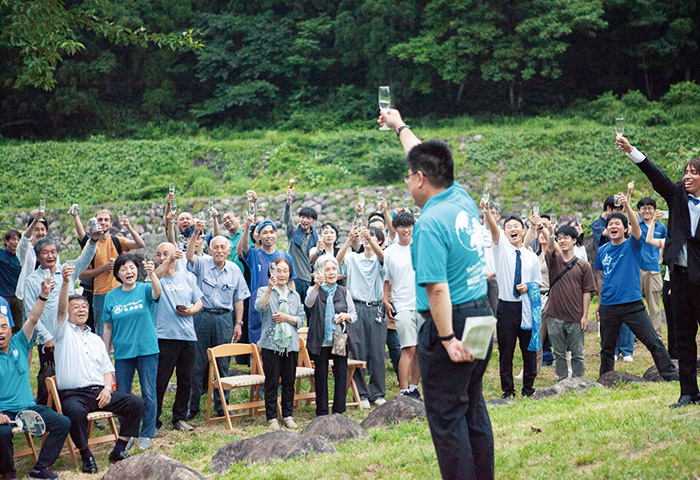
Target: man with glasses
(652,283)
(224,289)
(571,286)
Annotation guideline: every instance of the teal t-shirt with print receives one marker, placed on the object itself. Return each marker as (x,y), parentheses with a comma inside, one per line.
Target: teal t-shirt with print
(448,246)
(15,393)
(131,315)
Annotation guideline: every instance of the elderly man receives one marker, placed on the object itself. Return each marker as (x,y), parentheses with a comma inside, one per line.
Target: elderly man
(16,394)
(84,375)
(224,289)
(10,269)
(183,227)
(177,340)
(109,247)
(46,250)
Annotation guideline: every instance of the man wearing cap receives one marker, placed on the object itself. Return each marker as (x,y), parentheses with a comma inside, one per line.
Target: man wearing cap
(223,290)
(258,260)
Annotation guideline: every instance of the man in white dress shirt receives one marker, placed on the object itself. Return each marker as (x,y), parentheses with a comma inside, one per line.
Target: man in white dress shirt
(84,374)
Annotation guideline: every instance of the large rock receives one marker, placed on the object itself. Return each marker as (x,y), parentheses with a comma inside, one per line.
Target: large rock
(151,466)
(652,374)
(399,409)
(499,402)
(567,385)
(608,379)
(335,428)
(268,447)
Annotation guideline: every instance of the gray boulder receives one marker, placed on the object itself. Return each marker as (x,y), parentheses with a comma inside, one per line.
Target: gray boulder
(567,385)
(499,402)
(608,379)
(335,428)
(399,409)
(268,447)
(151,466)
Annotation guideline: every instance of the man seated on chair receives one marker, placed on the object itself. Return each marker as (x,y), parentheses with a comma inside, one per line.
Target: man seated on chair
(84,376)
(16,394)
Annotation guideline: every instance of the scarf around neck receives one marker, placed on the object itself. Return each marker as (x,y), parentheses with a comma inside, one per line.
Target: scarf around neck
(329,313)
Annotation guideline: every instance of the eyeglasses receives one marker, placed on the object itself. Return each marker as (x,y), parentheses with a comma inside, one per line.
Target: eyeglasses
(405,179)
(559,238)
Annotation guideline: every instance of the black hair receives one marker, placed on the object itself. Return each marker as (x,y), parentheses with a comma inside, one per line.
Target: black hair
(377,233)
(646,201)
(617,215)
(253,228)
(547,216)
(12,233)
(41,220)
(42,242)
(75,296)
(308,212)
(376,215)
(693,165)
(332,225)
(609,202)
(516,218)
(121,260)
(403,219)
(434,159)
(569,231)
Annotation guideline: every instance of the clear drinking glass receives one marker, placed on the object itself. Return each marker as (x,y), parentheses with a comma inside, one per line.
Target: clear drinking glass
(553,219)
(384,102)
(536,208)
(173,205)
(523,214)
(210,207)
(361,199)
(42,205)
(579,219)
(379,200)
(171,189)
(619,128)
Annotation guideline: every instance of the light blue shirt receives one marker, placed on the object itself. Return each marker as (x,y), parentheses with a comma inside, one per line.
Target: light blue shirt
(365,277)
(448,246)
(180,289)
(220,288)
(32,289)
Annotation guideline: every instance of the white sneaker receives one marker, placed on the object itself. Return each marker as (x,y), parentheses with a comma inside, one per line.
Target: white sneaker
(290,423)
(520,375)
(628,359)
(274,424)
(130,443)
(144,443)
(364,403)
(379,402)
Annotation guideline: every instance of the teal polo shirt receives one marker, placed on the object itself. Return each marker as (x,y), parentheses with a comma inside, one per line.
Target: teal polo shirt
(15,394)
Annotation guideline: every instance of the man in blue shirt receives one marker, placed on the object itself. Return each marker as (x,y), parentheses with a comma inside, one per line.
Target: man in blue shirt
(16,394)
(617,263)
(10,268)
(448,258)
(652,283)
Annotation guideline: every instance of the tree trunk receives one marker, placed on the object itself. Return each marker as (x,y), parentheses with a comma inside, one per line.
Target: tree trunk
(460,92)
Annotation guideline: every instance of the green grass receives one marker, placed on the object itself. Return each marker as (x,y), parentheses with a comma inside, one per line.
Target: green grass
(623,432)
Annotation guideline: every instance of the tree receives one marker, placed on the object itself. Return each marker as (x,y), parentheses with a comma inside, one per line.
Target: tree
(44,31)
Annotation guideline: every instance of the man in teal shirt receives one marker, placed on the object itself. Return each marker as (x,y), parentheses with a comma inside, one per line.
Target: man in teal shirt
(16,394)
(448,258)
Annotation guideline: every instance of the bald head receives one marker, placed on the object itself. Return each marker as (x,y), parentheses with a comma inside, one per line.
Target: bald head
(164,251)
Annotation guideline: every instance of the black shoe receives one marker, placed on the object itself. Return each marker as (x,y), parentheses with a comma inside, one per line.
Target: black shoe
(44,472)
(89,465)
(415,394)
(686,400)
(191,415)
(508,396)
(183,426)
(115,457)
(547,363)
(9,476)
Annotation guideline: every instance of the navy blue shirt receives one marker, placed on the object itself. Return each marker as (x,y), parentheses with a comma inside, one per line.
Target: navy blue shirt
(10,269)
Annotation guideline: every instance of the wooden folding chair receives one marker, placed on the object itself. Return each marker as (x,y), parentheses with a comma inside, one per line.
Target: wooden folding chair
(30,449)
(254,380)
(55,403)
(305,369)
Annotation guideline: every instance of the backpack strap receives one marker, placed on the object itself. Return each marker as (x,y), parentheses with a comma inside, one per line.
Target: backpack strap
(569,266)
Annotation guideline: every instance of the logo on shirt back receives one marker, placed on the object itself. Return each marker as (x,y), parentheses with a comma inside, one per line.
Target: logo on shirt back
(466,229)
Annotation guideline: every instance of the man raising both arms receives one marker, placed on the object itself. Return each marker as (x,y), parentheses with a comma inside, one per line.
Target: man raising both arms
(448,258)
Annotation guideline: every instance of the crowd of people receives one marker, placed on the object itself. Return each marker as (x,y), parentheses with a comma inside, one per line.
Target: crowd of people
(393,284)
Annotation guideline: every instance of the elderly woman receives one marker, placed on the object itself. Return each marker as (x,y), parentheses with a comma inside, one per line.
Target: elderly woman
(129,324)
(282,314)
(330,307)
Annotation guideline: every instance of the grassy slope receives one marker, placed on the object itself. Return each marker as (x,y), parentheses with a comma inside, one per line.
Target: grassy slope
(569,161)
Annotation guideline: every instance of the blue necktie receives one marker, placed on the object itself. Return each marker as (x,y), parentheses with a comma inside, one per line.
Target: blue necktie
(693,199)
(518,273)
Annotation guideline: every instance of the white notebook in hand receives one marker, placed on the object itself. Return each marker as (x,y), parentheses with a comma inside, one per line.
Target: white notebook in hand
(478,332)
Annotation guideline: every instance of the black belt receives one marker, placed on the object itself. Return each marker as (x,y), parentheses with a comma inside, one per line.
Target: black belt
(473,303)
(369,304)
(216,311)
(680,268)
